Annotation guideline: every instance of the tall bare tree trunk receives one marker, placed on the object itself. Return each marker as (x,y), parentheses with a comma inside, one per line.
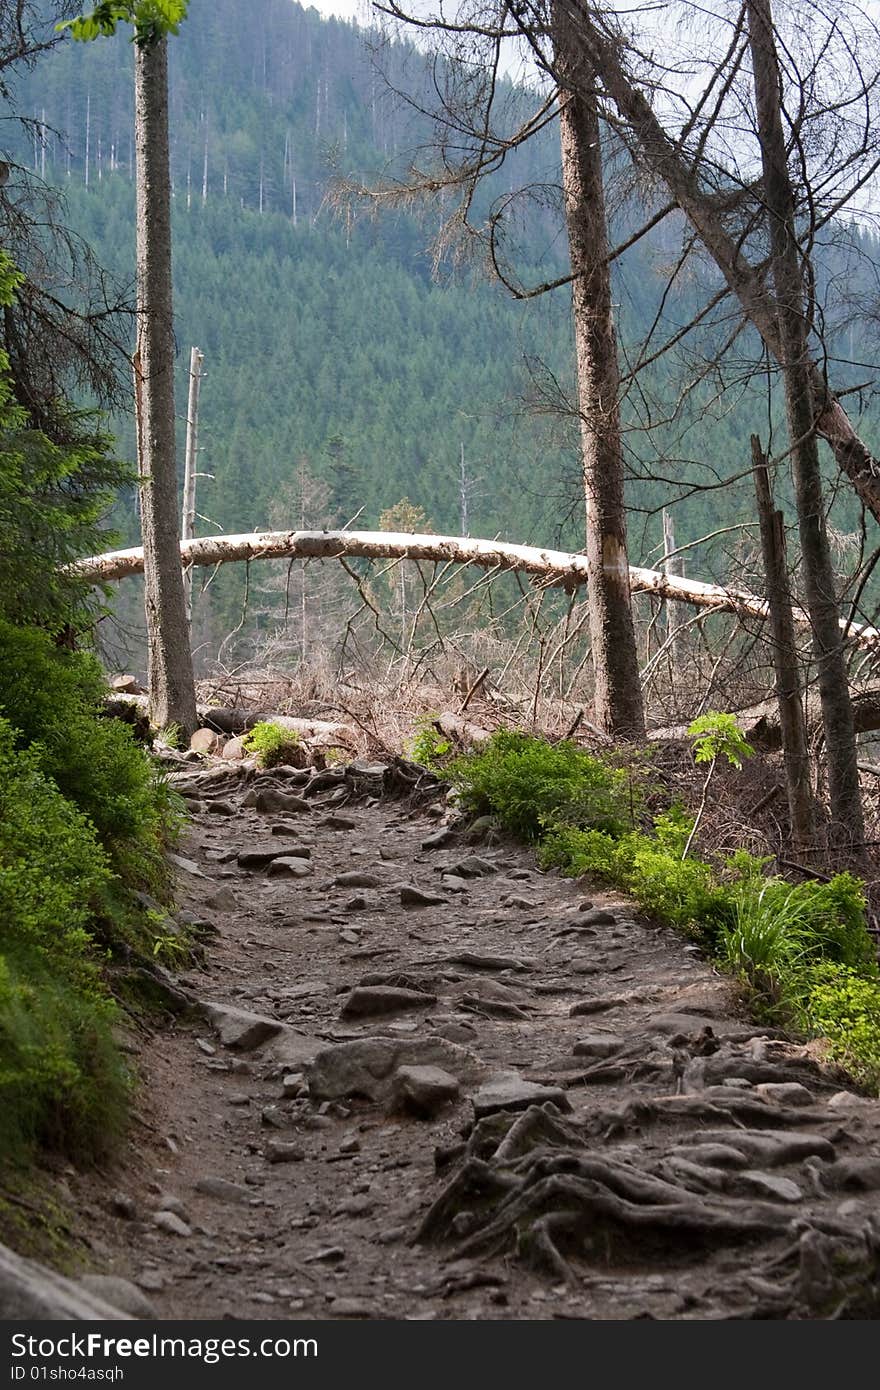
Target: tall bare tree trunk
(172,693)
(795,753)
(668,159)
(819,585)
(619,710)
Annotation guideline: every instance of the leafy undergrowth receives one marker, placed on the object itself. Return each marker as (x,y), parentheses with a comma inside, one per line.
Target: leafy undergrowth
(83,823)
(274,745)
(802,951)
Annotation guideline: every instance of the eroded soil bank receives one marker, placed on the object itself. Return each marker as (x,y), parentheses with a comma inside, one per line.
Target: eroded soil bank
(438,1083)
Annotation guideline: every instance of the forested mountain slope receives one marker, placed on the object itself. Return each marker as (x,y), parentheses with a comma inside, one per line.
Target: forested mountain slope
(332,352)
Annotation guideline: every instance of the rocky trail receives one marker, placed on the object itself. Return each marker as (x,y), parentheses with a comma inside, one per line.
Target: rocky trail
(415,1077)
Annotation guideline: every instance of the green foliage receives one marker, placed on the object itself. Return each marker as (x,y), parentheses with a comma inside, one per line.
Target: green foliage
(151,19)
(61,1079)
(52,501)
(429,747)
(716,735)
(273,744)
(680,893)
(844,1007)
(528,784)
(53,699)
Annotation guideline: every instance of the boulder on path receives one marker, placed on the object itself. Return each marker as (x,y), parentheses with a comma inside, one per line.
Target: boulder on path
(411,896)
(291,866)
(234,750)
(239,1028)
(119,1293)
(206,741)
(507,1090)
(366,1000)
(423,1091)
(31,1292)
(367,1066)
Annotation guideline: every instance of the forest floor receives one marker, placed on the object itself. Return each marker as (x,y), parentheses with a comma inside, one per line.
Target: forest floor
(648,1151)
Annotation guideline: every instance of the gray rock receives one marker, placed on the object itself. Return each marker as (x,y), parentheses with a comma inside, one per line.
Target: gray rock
(595,917)
(169,1221)
(338,823)
(223,1190)
(120,1293)
(269,802)
(507,1090)
(260,858)
(597,1045)
(31,1292)
(366,1066)
(423,1091)
(856,1174)
(290,866)
(785,1092)
(438,839)
(284,1151)
(291,1050)
(188,866)
(215,807)
(238,1028)
(411,896)
(472,866)
(597,1006)
(366,1000)
(451,883)
(356,878)
(222,900)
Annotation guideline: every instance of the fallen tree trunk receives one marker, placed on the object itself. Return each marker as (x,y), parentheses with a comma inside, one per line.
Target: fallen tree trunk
(550,567)
(760,723)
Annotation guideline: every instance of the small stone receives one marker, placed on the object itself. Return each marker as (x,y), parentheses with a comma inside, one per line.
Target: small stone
(330,1255)
(411,896)
(338,823)
(290,867)
(597,1045)
(366,1000)
(270,802)
(514,900)
(206,741)
(239,1099)
(349,937)
(216,807)
(356,904)
(240,1029)
(438,839)
(284,1151)
(472,866)
(423,1091)
(596,1006)
(509,1091)
(596,917)
(205,1047)
(119,1293)
(223,1190)
(292,1084)
(123,1205)
(785,1092)
(151,1280)
(356,878)
(170,1222)
(233,750)
(350,1145)
(222,899)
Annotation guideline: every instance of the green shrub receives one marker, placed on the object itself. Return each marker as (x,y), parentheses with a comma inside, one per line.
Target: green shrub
(273,744)
(61,1077)
(844,1007)
(429,747)
(528,784)
(53,699)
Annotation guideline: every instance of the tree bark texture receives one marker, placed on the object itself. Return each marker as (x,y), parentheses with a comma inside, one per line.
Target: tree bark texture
(669,161)
(793,357)
(796,757)
(618,707)
(172,692)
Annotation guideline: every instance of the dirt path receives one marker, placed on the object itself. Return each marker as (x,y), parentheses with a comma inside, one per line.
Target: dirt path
(677,1162)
